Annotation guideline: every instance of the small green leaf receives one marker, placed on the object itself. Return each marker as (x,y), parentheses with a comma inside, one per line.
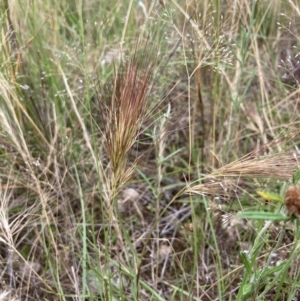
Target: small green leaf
(248,289)
(246,262)
(261,215)
(270,196)
(296,177)
(273,270)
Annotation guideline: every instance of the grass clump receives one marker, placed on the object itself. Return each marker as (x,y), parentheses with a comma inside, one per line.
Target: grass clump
(149,151)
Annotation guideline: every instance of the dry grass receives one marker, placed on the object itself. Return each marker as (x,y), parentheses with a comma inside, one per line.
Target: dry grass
(124,168)
(273,167)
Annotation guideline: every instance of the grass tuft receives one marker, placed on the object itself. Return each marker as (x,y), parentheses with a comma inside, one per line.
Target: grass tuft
(163,167)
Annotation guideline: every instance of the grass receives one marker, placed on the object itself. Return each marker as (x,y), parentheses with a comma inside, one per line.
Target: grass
(149,150)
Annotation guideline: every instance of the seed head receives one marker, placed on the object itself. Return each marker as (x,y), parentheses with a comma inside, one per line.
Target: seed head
(292,200)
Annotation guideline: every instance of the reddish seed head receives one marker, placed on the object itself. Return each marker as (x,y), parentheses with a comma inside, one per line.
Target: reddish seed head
(292,200)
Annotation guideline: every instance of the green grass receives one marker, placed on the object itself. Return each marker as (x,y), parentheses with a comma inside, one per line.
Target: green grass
(146,149)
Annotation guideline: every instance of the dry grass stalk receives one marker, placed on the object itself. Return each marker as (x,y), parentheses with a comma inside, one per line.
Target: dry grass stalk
(123,116)
(279,166)
(7,296)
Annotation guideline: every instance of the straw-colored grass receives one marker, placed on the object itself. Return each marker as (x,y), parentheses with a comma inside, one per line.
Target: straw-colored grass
(147,150)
